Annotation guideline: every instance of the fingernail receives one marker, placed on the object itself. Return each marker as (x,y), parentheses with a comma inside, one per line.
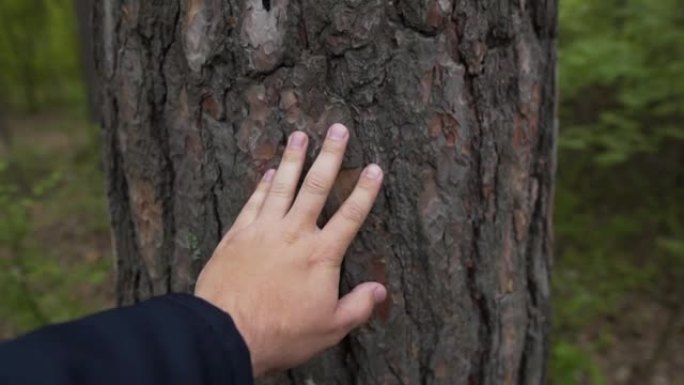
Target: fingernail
(268,176)
(297,140)
(379,294)
(373,171)
(338,132)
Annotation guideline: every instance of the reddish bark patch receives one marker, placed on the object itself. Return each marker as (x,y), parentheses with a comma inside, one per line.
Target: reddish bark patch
(435,17)
(447,126)
(251,138)
(259,109)
(289,103)
(345,183)
(510,345)
(535,105)
(520,220)
(519,130)
(183,107)
(193,7)
(451,138)
(526,121)
(147,215)
(429,200)
(266,57)
(337,43)
(426,86)
(435,126)
(130,12)
(182,268)
(193,144)
(193,141)
(232,22)
(475,54)
(288,99)
(379,273)
(452,42)
(264,152)
(451,127)
(441,370)
(212,107)
(506,263)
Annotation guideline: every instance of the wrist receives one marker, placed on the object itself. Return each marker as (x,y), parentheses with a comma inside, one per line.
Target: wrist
(242,328)
(252,343)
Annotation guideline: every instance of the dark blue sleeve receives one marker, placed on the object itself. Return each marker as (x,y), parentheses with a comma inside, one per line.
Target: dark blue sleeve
(171,340)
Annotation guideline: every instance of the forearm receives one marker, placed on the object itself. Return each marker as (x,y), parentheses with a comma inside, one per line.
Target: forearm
(175,339)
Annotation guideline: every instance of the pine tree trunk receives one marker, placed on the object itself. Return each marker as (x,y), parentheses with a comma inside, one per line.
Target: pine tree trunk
(454,98)
(86,39)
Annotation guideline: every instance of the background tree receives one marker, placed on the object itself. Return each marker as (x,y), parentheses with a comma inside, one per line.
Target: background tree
(82,11)
(5,138)
(455,99)
(39,67)
(23,45)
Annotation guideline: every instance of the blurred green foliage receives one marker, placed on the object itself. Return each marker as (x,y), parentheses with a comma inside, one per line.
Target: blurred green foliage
(622,77)
(620,192)
(39,56)
(49,199)
(572,365)
(21,307)
(51,182)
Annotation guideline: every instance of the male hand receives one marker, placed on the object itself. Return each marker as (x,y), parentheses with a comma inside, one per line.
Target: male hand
(277,274)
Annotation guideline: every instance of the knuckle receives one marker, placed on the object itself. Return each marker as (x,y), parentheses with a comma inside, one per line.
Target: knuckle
(280,189)
(316,184)
(328,255)
(291,235)
(293,156)
(354,212)
(255,202)
(262,187)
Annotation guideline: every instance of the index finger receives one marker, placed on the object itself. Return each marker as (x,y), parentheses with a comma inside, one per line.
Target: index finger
(343,226)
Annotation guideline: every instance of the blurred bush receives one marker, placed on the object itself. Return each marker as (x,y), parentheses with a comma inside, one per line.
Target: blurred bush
(620,192)
(55,259)
(55,255)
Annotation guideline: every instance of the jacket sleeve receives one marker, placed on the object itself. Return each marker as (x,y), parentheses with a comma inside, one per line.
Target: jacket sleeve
(171,340)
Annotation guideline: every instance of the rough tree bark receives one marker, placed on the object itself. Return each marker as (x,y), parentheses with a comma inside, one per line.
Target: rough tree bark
(454,98)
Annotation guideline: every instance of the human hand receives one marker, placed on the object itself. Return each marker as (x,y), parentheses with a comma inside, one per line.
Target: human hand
(277,274)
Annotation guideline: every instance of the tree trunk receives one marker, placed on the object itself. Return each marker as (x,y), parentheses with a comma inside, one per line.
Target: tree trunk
(455,99)
(90,79)
(5,134)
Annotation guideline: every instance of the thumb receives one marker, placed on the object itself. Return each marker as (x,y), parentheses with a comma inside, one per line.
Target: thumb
(356,308)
